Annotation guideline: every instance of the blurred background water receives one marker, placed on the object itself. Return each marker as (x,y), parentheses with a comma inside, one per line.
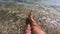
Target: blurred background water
(55,3)
(46,2)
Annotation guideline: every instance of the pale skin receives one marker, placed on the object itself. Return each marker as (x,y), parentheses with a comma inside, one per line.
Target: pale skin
(32,27)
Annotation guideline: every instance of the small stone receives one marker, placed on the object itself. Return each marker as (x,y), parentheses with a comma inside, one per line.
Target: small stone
(10,11)
(43,17)
(13,26)
(39,18)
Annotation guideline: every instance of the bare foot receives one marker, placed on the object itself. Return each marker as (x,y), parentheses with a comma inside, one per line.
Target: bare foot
(28,29)
(31,16)
(36,29)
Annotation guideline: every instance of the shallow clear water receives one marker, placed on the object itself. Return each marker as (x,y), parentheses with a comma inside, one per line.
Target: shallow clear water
(48,9)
